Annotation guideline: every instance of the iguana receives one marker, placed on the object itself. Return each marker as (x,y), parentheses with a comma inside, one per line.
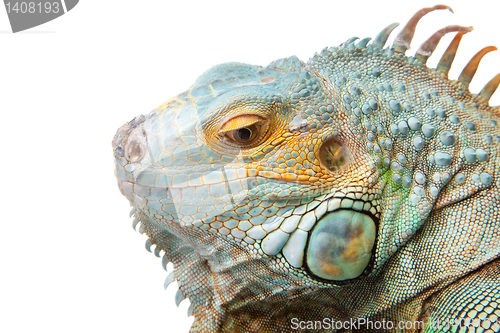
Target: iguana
(355,192)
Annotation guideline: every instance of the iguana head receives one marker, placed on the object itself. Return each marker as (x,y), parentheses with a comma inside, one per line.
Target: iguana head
(292,183)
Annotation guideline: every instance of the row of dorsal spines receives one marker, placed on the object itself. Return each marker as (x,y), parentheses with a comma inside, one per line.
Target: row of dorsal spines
(403,41)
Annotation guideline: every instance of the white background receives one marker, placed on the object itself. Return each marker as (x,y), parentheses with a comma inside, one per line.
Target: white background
(69,259)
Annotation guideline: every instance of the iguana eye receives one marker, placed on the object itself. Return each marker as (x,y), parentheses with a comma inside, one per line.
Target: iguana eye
(243,135)
(244,130)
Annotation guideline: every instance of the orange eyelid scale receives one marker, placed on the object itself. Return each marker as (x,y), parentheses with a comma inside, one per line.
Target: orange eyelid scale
(240,122)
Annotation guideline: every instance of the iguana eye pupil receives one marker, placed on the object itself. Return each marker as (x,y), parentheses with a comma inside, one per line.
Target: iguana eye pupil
(244,131)
(244,134)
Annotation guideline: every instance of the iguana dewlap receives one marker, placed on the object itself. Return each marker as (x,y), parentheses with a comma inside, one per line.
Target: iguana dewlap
(361,185)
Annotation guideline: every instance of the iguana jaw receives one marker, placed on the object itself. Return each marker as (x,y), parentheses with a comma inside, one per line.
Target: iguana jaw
(210,270)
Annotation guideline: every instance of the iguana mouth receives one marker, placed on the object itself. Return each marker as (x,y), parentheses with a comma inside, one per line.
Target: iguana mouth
(334,241)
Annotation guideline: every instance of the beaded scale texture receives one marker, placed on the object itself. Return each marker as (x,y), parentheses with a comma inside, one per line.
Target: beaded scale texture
(361,184)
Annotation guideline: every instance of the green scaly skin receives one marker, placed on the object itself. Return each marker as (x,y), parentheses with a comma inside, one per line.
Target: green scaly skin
(361,184)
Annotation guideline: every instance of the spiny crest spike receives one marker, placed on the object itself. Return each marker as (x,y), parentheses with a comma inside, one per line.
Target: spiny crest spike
(179,297)
(348,42)
(471,68)
(351,40)
(425,50)
(170,278)
(157,251)
(148,245)
(190,310)
(362,43)
(490,87)
(449,55)
(382,37)
(403,39)
(164,262)
(135,221)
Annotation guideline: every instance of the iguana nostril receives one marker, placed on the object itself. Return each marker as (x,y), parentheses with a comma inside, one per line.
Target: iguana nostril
(135,148)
